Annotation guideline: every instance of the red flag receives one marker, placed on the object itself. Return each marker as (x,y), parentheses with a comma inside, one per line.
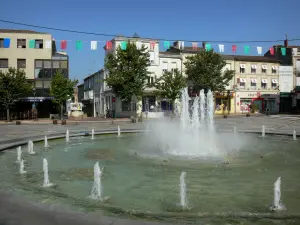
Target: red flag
(272,51)
(152,45)
(108,45)
(63,44)
(233,48)
(195,45)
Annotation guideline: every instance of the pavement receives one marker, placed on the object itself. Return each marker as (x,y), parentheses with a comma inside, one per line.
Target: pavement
(17,210)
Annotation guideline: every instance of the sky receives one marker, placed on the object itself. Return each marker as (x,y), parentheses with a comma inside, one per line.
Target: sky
(213,20)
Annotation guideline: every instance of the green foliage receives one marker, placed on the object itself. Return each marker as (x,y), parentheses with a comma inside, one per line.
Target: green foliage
(127,71)
(204,70)
(61,88)
(170,84)
(13,85)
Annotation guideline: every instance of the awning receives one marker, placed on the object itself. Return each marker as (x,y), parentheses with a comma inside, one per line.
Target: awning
(274,81)
(264,81)
(243,66)
(264,67)
(274,67)
(254,81)
(242,80)
(253,66)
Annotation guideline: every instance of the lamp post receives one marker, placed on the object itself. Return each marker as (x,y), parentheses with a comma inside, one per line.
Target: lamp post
(34,103)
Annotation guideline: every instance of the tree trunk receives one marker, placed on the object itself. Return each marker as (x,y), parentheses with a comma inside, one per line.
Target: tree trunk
(173,107)
(61,111)
(7,115)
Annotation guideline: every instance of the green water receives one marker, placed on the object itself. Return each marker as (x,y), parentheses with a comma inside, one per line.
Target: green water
(141,184)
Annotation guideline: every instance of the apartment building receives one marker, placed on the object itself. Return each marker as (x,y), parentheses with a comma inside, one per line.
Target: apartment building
(256,81)
(35,53)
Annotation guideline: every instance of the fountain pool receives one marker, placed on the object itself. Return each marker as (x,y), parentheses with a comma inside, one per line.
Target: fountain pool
(142,183)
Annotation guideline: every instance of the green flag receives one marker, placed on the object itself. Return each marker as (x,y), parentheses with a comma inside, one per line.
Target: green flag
(246,49)
(283,51)
(31,43)
(123,45)
(207,47)
(78,45)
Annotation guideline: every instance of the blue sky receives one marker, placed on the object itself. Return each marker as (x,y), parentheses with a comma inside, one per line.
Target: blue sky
(219,20)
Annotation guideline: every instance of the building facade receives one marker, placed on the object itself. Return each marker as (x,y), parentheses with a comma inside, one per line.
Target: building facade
(35,53)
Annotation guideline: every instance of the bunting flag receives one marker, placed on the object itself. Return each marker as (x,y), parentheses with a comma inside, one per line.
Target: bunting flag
(108,45)
(195,45)
(181,45)
(295,51)
(48,44)
(152,45)
(78,45)
(246,49)
(93,45)
(207,47)
(6,43)
(283,51)
(31,43)
(63,45)
(221,48)
(272,51)
(123,45)
(233,48)
(259,50)
(166,45)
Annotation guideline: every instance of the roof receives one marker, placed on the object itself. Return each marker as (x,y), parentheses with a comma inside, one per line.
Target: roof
(93,74)
(174,50)
(249,58)
(20,31)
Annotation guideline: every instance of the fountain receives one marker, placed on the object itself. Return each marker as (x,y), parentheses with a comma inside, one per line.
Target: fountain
(263,131)
(119,131)
(96,192)
(93,134)
(202,107)
(183,198)
(67,136)
(46,142)
(22,171)
(277,205)
(19,154)
(46,174)
(30,148)
(294,135)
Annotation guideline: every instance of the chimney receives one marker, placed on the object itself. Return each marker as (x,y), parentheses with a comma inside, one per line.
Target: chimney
(286,43)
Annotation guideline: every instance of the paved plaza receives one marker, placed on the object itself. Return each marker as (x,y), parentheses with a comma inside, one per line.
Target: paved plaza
(17,211)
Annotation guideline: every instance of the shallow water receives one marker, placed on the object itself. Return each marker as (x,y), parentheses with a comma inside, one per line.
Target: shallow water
(138,183)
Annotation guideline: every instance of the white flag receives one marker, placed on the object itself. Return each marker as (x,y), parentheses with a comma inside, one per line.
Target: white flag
(295,50)
(181,44)
(221,48)
(259,50)
(48,44)
(138,45)
(94,45)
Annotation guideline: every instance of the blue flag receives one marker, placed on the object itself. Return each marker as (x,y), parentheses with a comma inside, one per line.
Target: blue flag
(6,43)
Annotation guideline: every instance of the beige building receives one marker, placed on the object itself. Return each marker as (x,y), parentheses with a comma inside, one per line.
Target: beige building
(256,81)
(35,53)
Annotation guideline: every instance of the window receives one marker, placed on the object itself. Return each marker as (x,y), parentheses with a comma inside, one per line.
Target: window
(165,66)
(55,64)
(253,68)
(242,83)
(173,66)
(3,63)
(274,84)
(264,68)
(47,64)
(39,43)
(38,73)
(1,42)
(253,84)
(39,84)
(150,80)
(264,83)
(21,43)
(21,63)
(47,83)
(242,68)
(64,64)
(126,106)
(274,69)
(152,57)
(38,64)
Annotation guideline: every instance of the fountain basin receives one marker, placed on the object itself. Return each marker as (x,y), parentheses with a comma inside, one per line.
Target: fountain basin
(145,187)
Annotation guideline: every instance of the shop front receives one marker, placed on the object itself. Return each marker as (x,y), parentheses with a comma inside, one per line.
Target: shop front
(224,102)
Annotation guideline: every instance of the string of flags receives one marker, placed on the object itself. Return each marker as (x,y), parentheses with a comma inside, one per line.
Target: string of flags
(166,45)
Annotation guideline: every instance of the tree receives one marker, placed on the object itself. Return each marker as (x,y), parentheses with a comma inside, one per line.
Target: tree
(128,71)
(61,89)
(205,71)
(170,84)
(13,85)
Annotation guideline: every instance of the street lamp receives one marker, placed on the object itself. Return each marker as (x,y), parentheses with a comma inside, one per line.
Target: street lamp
(34,102)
